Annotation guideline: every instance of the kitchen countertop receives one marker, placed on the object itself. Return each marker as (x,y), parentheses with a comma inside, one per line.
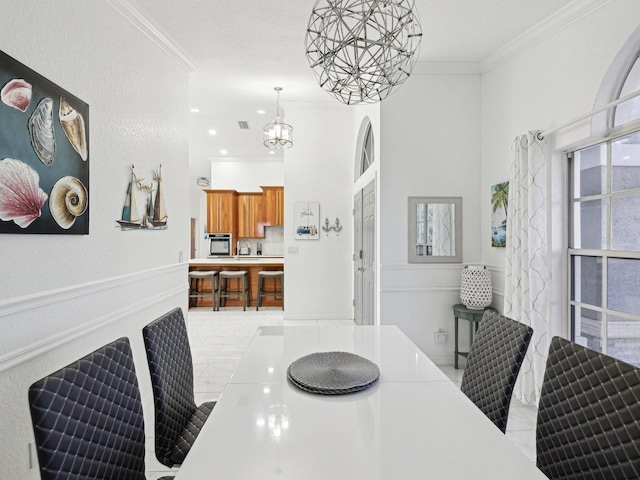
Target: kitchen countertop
(239,260)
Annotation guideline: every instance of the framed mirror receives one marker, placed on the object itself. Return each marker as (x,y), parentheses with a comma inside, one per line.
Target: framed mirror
(435,230)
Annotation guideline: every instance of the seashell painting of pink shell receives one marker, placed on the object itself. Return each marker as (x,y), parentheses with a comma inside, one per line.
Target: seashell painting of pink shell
(17,94)
(21,197)
(44,154)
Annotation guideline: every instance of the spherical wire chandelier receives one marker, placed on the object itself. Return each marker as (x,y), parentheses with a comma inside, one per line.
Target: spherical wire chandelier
(361,50)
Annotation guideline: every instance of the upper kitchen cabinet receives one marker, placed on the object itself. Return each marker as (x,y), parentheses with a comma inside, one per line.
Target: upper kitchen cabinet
(222,211)
(250,215)
(273,206)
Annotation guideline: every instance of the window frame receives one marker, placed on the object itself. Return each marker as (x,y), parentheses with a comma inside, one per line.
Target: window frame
(606,253)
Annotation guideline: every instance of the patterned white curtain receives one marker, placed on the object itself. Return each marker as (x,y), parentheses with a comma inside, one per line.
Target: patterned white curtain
(527,261)
(443,232)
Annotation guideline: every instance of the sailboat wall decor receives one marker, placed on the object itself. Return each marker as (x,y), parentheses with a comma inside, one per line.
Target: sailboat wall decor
(130,217)
(155,216)
(159,218)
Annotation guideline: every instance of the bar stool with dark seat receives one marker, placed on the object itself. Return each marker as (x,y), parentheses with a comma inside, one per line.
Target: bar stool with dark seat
(196,280)
(262,292)
(242,291)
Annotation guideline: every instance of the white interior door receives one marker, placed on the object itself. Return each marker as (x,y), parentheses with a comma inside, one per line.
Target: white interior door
(357,257)
(364,255)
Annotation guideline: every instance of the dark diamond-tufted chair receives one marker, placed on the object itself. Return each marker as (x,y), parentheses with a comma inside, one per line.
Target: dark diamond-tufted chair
(588,425)
(493,364)
(178,420)
(87,418)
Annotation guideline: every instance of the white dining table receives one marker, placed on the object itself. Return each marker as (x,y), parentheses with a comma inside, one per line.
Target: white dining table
(412,423)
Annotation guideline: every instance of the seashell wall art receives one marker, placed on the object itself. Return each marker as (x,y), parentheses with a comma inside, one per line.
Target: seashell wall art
(44,154)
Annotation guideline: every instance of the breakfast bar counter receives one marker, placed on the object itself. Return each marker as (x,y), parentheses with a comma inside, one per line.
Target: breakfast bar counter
(252,264)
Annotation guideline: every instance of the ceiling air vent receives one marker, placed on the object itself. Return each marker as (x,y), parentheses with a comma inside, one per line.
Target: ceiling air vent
(243,125)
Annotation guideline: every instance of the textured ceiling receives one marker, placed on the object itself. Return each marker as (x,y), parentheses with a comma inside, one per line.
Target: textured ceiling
(242,49)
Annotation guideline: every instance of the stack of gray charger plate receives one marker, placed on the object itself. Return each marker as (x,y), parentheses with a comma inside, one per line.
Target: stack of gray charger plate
(333,373)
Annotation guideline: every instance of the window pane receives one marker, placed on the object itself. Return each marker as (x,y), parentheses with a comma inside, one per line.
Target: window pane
(625,163)
(629,110)
(622,285)
(421,237)
(586,282)
(590,171)
(367,150)
(623,339)
(587,327)
(625,223)
(588,224)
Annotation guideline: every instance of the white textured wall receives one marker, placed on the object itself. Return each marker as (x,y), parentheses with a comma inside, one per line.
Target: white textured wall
(319,168)
(246,175)
(63,296)
(430,146)
(545,85)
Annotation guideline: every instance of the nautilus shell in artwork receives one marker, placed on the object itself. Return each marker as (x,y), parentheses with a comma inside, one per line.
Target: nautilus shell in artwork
(21,197)
(73,126)
(68,201)
(17,94)
(41,131)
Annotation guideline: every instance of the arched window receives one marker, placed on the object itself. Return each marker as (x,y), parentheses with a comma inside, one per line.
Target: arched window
(604,226)
(629,110)
(367,150)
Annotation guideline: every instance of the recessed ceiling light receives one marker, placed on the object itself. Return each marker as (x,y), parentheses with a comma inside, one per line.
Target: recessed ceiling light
(212,131)
(261,112)
(195,110)
(271,152)
(223,152)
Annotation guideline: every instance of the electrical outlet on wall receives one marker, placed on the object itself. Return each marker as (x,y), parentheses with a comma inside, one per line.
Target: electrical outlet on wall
(440,336)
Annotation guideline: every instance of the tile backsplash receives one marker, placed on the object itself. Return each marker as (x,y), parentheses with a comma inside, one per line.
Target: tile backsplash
(272,243)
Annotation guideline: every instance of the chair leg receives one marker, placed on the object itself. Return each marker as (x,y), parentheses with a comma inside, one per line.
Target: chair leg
(245,293)
(259,299)
(221,282)
(214,286)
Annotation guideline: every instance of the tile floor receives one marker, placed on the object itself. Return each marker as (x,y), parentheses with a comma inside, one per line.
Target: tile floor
(218,340)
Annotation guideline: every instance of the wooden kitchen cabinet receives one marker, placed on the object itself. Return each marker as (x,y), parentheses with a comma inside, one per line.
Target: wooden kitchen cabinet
(250,215)
(222,211)
(273,206)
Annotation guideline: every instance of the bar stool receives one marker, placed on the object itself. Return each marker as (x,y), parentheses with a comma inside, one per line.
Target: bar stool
(274,274)
(243,287)
(196,280)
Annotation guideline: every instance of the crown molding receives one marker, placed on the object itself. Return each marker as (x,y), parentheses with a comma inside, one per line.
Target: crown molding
(446,68)
(142,23)
(548,27)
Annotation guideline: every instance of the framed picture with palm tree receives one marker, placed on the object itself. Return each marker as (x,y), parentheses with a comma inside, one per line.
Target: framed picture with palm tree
(499,203)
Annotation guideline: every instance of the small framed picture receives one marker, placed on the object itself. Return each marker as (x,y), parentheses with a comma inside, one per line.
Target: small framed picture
(306,220)
(499,203)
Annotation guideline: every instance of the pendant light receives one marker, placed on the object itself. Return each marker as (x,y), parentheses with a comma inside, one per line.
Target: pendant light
(277,134)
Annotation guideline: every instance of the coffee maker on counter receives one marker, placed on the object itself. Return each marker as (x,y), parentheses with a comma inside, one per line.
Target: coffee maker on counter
(259,248)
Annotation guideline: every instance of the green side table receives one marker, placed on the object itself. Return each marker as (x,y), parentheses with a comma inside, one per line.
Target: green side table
(473,316)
